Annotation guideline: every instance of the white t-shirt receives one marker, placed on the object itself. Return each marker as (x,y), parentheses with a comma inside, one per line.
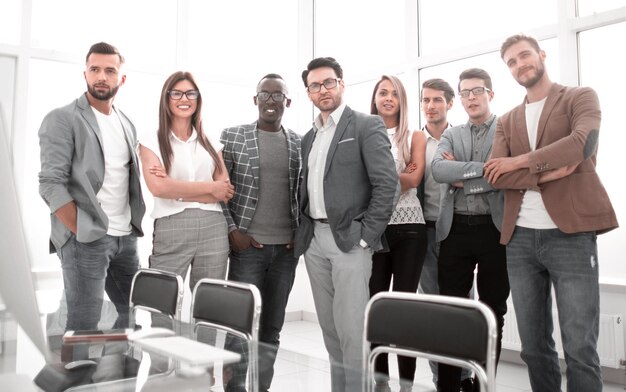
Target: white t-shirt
(113,195)
(190,162)
(533,213)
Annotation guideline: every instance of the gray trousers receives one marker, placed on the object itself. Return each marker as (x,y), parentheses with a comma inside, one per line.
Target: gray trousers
(340,285)
(195,238)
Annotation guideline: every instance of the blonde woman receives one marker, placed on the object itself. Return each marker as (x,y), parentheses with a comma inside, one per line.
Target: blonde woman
(406,231)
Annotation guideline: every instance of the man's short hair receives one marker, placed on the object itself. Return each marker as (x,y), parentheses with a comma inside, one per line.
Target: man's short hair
(475,73)
(104,48)
(440,85)
(512,40)
(322,62)
(269,76)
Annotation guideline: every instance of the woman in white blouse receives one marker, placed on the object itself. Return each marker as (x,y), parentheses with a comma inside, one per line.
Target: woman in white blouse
(184,170)
(406,231)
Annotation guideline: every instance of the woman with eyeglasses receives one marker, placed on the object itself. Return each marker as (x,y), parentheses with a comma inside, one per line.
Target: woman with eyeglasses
(184,170)
(406,231)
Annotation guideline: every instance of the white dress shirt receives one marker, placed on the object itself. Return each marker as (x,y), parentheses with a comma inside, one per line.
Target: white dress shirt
(190,162)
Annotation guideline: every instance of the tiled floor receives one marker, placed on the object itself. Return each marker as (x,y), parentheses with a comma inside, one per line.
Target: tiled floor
(304,374)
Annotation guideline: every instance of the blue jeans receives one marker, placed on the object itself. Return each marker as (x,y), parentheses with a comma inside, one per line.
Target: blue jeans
(272,269)
(90,269)
(537,260)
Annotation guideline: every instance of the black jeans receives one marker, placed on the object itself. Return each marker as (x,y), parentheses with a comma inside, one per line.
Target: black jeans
(403,262)
(469,245)
(272,269)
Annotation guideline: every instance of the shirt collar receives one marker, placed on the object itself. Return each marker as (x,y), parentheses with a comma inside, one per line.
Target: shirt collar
(428,135)
(192,138)
(334,117)
(486,124)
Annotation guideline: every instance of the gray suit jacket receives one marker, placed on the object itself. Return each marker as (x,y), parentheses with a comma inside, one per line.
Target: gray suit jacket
(72,168)
(458,141)
(360,182)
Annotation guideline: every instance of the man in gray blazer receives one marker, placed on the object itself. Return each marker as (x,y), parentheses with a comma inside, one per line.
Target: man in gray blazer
(90,180)
(347,197)
(468,227)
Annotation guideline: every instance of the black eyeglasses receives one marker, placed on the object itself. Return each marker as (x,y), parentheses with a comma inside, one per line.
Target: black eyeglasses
(317,87)
(276,97)
(475,91)
(190,94)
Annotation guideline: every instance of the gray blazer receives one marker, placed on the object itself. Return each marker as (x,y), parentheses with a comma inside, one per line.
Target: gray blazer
(360,182)
(458,141)
(72,168)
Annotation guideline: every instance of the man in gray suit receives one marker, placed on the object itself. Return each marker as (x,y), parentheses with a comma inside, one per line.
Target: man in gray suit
(468,227)
(90,180)
(347,197)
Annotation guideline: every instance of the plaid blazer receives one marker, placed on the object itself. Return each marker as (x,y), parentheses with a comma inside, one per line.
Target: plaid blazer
(241,156)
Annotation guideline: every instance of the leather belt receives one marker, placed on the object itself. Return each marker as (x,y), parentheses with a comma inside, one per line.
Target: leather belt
(430,224)
(472,220)
(322,220)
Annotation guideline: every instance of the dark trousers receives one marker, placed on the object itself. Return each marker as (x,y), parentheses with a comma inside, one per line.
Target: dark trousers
(469,244)
(403,262)
(272,269)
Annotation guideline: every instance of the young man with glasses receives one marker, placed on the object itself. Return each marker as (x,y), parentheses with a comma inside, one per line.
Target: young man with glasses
(544,157)
(468,227)
(347,196)
(90,180)
(263,161)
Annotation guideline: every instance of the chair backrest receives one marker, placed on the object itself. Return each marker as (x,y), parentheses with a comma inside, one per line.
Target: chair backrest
(455,331)
(231,306)
(158,292)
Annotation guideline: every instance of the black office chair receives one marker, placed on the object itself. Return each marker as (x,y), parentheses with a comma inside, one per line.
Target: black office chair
(158,292)
(231,307)
(456,331)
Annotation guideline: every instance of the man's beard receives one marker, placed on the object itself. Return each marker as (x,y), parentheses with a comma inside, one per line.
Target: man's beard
(541,70)
(102,95)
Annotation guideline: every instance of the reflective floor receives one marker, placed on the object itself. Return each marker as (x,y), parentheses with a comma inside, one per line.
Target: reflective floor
(304,336)
(302,363)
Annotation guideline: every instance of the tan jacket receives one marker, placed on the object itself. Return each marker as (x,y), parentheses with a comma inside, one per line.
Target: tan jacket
(568,133)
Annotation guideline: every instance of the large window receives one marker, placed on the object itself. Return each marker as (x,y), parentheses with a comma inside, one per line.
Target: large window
(603,70)
(231,45)
(361,35)
(455,24)
(7,87)
(10,21)
(590,7)
(144,30)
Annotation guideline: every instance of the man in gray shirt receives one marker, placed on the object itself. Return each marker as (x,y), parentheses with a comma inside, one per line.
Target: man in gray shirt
(468,227)
(263,162)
